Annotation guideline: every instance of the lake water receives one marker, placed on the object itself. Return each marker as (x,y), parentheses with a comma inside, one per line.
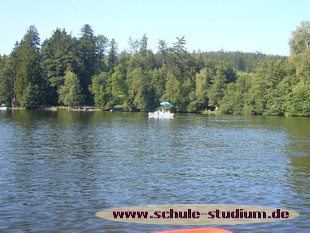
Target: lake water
(57,169)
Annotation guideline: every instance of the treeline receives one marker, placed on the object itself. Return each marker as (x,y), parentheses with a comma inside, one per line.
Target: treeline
(90,70)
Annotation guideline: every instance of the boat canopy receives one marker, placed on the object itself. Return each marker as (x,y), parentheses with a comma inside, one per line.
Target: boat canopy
(166,104)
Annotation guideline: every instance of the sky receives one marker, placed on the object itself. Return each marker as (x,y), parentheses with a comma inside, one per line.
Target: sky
(231,25)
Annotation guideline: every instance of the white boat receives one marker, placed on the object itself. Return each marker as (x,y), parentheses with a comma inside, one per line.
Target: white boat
(161,114)
(3,107)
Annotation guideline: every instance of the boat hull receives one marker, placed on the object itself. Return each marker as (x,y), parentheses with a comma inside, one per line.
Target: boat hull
(160,115)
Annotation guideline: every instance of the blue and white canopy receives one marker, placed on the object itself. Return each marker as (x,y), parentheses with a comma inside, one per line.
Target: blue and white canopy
(166,104)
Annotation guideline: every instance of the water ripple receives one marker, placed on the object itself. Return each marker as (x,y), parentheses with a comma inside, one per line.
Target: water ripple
(59,168)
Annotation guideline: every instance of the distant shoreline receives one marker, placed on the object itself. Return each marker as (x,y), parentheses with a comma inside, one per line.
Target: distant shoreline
(120,109)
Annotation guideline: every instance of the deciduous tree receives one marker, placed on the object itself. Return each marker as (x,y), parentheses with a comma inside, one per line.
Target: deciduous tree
(70,93)
(300,41)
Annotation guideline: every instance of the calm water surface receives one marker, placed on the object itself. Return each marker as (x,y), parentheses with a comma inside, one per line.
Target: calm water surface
(57,169)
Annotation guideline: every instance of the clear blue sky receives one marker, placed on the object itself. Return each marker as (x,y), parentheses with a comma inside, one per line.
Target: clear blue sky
(231,25)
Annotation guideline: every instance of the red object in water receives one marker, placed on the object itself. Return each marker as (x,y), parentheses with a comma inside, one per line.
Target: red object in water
(197,230)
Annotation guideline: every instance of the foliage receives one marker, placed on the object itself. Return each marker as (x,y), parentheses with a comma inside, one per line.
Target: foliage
(90,69)
(112,56)
(29,58)
(300,41)
(58,56)
(8,68)
(70,92)
(88,53)
(202,85)
(141,95)
(102,90)
(31,96)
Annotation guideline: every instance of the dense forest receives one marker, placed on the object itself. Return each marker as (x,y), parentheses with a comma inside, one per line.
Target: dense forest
(65,70)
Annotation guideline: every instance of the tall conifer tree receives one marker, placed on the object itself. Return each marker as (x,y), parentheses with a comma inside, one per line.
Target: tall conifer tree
(29,69)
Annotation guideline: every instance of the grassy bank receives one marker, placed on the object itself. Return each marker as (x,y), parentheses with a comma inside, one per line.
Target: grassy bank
(211,112)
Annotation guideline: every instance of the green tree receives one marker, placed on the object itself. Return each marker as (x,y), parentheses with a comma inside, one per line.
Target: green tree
(178,59)
(70,93)
(143,44)
(112,56)
(31,96)
(141,94)
(203,82)
(301,62)
(144,60)
(134,45)
(263,96)
(162,52)
(102,90)
(235,95)
(102,43)
(158,79)
(232,101)
(58,56)
(300,38)
(87,50)
(274,74)
(179,46)
(8,70)
(29,67)
(217,88)
(173,92)
(299,102)
(119,87)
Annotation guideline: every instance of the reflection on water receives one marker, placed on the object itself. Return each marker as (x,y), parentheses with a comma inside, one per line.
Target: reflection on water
(59,168)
